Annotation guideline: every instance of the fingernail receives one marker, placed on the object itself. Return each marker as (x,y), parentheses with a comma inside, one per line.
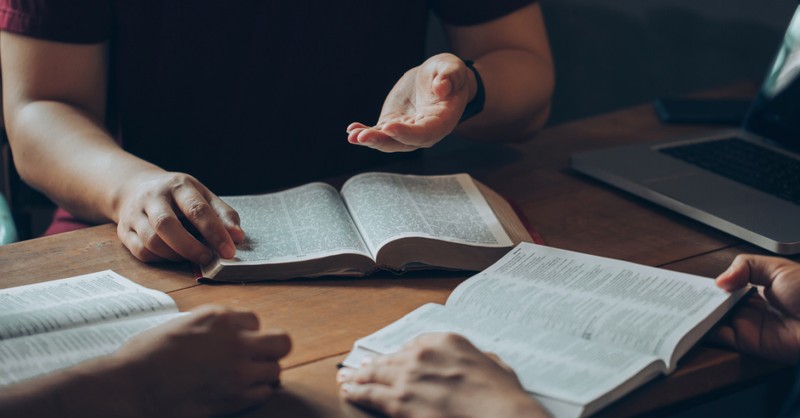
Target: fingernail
(344,375)
(347,388)
(240,234)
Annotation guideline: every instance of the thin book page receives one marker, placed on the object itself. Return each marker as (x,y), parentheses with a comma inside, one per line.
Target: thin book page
(34,355)
(450,208)
(302,223)
(76,301)
(549,364)
(608,301)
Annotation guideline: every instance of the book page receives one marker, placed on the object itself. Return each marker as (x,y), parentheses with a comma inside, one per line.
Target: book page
(306,222)
(598,299)
(547,363)
(390,206)
(76,301)
(25,357)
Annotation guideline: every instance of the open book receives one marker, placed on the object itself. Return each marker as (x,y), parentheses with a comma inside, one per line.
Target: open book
(378,221)
(53,325)
(580,331)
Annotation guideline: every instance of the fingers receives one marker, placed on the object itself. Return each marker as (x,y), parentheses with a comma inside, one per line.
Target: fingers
(243,320)
(224,320)
(355,125)
(723,335)
(450,76)
(380,141)
(229,217)
(130,238)
(269,345)
(164,229)
(381,369)
(205,218)
(494,357)
(264,373)
(400,136)
(748,268)
(372,396)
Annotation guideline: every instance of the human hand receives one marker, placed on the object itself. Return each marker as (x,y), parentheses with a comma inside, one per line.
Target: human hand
(214,361)
(422,108)
(149,210)
(768,324)
(438,375)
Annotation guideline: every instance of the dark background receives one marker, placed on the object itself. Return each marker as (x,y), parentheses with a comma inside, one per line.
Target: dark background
(615,53)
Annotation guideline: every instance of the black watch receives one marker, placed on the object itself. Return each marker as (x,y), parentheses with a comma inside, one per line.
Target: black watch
(475,106)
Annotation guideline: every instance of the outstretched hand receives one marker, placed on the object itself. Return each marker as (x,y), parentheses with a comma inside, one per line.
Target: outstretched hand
(768,324)
(422,108)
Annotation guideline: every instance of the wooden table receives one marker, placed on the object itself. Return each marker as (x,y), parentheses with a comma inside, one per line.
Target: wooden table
(325,316)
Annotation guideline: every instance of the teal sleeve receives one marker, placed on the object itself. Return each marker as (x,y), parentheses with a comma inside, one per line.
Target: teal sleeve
(8,232)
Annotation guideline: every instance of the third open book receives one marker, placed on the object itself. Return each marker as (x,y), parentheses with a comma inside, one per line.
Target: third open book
(580,331)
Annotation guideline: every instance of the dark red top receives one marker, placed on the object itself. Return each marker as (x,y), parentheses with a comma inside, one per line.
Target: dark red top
(248,95)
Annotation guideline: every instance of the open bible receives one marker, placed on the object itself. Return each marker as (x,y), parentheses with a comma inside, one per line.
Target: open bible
(379,221)
(580,331)
(53,325)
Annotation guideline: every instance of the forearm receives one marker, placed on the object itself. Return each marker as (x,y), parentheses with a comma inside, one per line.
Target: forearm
(65,153)
(518,86)
(512,55)
(93,389)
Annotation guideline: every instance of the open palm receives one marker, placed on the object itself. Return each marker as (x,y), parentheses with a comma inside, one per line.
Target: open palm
(423,107)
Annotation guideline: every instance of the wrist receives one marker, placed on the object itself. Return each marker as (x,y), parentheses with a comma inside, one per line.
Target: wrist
(73,392)
(118,375)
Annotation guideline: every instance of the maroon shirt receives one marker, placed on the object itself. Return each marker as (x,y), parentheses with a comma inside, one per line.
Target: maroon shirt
(248,95)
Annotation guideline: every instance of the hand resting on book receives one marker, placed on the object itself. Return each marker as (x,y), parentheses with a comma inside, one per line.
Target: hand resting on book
(768,324)
(151,205)
(438,374)
(214,361)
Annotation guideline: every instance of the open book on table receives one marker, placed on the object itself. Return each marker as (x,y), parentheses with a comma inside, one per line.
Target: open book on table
(53,325)
(378,221)
(580,331)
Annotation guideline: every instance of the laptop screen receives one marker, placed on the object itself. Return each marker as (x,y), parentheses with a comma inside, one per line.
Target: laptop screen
(775,113)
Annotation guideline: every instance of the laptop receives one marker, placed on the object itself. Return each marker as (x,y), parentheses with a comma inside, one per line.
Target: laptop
(744,181)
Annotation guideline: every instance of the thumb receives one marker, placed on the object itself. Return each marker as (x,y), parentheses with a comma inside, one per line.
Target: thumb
(450,78)
(747,268)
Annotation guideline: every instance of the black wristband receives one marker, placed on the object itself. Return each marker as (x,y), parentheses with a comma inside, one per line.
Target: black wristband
(475,106)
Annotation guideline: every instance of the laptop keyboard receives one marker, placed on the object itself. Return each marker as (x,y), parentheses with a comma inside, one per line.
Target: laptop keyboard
(742,161)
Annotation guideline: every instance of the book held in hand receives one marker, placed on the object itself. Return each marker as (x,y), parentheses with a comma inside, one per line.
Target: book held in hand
(379,221)
(53,325)
(580,331)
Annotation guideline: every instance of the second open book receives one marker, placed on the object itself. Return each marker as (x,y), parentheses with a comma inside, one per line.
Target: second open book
(378,221)
(580,331)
